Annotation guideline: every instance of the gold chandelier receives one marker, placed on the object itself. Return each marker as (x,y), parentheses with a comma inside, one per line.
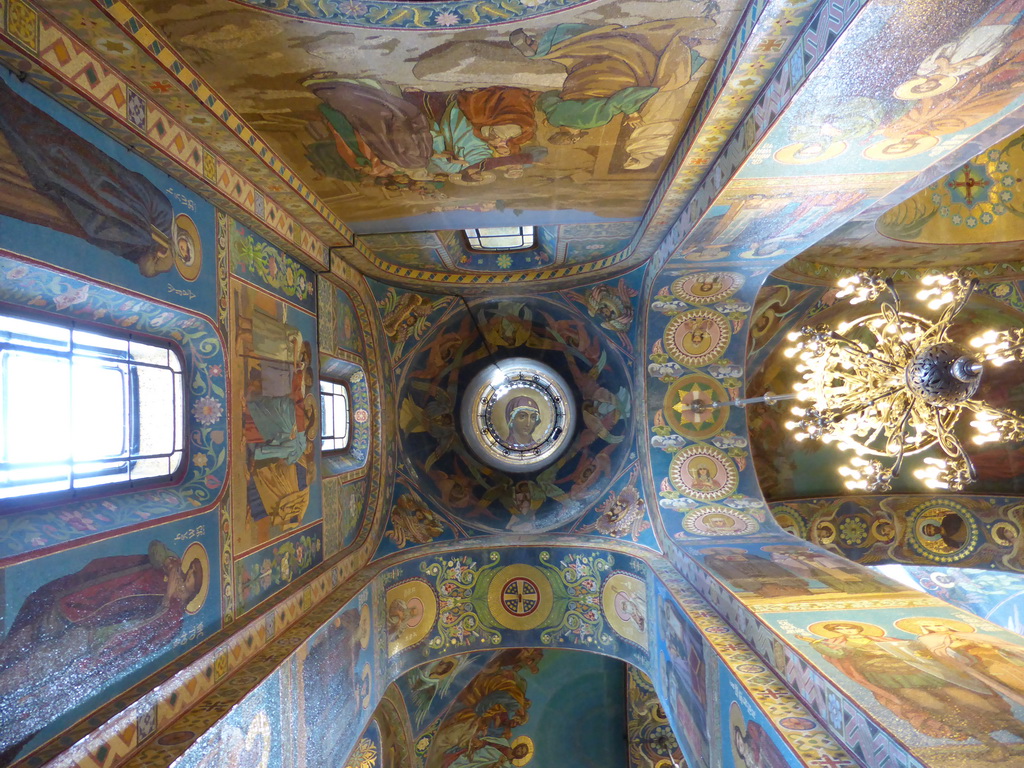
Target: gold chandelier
(891,383)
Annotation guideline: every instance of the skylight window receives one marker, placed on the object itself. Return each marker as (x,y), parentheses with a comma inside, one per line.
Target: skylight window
(501,238)
(80,409)
(334,407)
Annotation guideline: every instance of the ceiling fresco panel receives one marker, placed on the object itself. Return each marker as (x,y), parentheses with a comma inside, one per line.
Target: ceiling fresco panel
(430,125)
(978,203)
(858,245)
(130,49)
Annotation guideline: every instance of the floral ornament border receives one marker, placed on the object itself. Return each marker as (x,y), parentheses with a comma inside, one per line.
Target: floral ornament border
(462,618)
(457,14)
(24,282)
(264,572)
(577,583)
(253,257)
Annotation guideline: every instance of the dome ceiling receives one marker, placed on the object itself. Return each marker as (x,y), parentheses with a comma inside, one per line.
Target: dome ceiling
(467,343)
(858,245)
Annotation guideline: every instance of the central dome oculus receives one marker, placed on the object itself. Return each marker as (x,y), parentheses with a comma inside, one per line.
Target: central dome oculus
(518,415)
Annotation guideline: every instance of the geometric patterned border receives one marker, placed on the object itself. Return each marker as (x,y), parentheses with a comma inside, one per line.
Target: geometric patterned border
(154,44)
(412,273)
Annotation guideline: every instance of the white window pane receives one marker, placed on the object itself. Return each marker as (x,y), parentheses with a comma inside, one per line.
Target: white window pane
(77,400)
(500,238)
(179,411)
(156,429)
(94,344)
(38,407)
(341,416)
(155,467)
(12,488)
(21,331)
(99,402)
(175,461)
(326,416)
(89,475)
(40,474)
(334,415)
(141,352)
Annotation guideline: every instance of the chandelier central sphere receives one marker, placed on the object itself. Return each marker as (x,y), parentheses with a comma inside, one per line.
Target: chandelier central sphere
(944,374)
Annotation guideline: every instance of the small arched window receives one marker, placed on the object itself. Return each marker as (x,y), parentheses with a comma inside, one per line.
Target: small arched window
(81,408)
(334,407)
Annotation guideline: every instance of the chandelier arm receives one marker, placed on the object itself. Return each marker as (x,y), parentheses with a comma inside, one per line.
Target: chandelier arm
(1000,347)
(896,320)
(949,442)
(899,435)
(891,286)
(1015,351)
(977,406)
(964,295)
(898,464)
(854,348)
(1015,419)
(846,410)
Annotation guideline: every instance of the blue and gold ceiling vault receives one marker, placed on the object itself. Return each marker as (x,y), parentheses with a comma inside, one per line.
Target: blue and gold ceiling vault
(674,156)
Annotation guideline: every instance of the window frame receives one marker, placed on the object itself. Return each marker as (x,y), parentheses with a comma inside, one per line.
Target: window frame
(42,499)
(347,390)
(480,248)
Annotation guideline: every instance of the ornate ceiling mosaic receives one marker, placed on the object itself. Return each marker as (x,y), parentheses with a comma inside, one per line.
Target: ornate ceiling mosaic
(579,455)
(575,111)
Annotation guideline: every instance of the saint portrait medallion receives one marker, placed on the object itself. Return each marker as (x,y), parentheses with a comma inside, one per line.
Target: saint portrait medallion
(624,601)
(703,473)
(707,287)
(697,337)
(187,247)
(411,609)
(943,532)
(718,521)
(790,520)
(518,415)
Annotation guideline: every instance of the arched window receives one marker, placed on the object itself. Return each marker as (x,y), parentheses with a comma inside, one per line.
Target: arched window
(81,408)
(334,407)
